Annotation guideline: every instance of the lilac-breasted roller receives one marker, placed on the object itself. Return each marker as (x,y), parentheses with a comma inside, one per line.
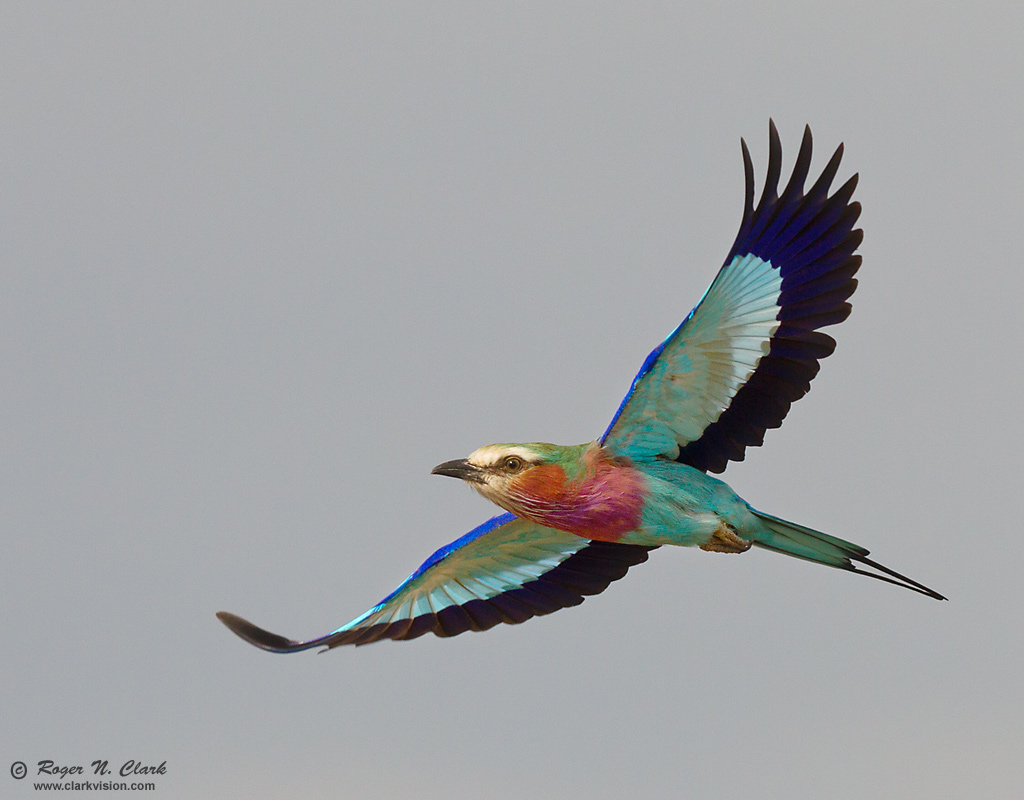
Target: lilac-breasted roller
(579,516)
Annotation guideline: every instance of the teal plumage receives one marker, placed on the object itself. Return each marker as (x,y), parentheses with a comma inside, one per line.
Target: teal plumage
(578,517)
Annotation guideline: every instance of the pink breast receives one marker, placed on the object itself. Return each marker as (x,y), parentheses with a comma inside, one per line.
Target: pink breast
(605,505)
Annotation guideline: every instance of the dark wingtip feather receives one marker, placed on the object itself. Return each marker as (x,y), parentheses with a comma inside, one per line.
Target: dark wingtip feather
(801,167)
(258,637)
(770,191)
(821,186)
(748,188)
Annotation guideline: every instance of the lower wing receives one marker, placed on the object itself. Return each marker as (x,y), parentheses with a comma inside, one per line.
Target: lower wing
(507,570)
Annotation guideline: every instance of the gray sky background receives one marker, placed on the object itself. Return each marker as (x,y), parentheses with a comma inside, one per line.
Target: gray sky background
(263,267)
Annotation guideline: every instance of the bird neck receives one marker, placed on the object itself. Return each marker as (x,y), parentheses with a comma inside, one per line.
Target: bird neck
(591,494)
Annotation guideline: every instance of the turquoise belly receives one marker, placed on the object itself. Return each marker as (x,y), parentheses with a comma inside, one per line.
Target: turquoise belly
(685,506)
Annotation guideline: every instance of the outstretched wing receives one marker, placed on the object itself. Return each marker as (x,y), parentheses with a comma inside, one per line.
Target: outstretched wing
(750,348)
(507,570)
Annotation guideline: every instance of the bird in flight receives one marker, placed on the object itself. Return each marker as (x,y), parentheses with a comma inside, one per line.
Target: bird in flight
(579,516)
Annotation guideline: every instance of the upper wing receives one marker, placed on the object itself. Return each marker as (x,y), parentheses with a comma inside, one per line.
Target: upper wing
(751,346)
(507,570)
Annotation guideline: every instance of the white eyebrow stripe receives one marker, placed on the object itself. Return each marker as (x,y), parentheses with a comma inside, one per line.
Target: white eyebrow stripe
(490,455)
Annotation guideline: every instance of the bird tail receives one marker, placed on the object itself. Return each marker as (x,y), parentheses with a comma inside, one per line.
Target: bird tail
(811,545)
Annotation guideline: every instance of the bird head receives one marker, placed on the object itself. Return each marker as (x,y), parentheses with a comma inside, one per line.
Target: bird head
(511,474)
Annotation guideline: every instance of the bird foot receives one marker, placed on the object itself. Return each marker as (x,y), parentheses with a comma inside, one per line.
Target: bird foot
(724,540)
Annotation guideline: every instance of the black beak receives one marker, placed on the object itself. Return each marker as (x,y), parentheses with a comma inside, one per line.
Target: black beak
(461,469)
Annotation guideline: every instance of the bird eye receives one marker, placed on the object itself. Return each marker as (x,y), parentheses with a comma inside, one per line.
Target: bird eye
(513,464)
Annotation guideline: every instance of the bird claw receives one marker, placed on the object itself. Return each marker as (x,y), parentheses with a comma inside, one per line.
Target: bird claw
(724,540)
